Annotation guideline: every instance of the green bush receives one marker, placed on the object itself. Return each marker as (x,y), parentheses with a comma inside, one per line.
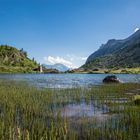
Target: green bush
(137,99)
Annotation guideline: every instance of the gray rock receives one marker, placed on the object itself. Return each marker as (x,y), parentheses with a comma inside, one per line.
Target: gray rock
(111,79)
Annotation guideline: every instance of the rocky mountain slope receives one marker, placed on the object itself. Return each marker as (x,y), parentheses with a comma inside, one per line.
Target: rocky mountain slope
(14,60)
(116,54)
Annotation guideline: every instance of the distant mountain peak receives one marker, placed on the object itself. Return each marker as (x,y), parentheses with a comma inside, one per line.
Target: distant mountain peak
(136,29)
(111,41)
(58,66)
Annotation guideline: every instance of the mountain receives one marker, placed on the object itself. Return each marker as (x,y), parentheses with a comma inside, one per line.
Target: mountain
(58,66)
(123,53)
(14,60)
(49,70)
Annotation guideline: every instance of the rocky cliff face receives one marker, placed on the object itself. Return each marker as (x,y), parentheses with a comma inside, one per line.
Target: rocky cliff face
(116,53)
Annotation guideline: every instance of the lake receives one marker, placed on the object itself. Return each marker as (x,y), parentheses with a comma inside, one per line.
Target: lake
(67,80)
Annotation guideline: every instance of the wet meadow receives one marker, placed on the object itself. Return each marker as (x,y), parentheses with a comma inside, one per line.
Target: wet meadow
(104,112)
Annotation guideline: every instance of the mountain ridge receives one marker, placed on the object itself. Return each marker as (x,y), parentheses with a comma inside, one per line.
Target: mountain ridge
(116,53)
(114,45)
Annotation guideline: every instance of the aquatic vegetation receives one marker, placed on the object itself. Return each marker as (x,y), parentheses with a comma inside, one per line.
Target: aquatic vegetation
(28,113)
(136,99)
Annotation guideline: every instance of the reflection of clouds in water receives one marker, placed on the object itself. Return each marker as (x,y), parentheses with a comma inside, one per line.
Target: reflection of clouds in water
(66,80)
(82,109)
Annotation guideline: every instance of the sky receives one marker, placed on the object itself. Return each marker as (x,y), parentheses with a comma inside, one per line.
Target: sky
(66,31)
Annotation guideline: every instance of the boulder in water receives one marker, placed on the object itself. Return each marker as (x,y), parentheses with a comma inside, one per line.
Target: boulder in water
(111,79)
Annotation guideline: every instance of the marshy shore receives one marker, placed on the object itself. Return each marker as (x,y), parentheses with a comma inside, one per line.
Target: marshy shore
(102,112)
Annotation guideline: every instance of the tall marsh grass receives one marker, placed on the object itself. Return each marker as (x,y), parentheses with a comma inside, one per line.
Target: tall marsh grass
(28,113)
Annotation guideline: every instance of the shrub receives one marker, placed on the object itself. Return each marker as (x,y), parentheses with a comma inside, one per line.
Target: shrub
(137,99)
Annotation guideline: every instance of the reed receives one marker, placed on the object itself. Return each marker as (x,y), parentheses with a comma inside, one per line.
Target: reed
(28,113)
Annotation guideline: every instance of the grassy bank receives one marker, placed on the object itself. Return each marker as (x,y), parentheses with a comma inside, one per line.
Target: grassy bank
(16,69)
(110,71)
(28,113)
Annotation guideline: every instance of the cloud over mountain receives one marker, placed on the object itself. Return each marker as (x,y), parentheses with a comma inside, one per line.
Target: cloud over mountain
(61,60)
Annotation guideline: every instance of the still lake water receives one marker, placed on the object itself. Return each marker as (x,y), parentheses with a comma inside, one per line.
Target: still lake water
(67,80)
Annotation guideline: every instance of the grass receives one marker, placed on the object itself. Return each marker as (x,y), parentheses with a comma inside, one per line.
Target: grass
(126,71)
(16,69)
(28,113)
(13,60)
(111,71)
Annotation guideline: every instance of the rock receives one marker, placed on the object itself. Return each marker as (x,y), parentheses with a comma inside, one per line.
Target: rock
(111,79)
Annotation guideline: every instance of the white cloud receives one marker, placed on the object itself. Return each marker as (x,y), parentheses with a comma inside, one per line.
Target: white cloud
(84,58)
(70,60)
(55,60)
(73,57)
(136,29)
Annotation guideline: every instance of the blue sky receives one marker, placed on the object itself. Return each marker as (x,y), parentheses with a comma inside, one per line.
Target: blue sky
(66,31)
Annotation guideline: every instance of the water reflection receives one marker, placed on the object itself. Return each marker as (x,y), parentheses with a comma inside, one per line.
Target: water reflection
(66,80)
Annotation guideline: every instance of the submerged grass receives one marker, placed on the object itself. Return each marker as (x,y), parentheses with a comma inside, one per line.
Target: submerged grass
(28,113)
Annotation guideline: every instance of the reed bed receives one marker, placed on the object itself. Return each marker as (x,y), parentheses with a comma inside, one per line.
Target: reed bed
(28,113)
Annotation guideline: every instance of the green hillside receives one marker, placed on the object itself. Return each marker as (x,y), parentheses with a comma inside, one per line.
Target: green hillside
(13,60)
(126,58)
(116,54)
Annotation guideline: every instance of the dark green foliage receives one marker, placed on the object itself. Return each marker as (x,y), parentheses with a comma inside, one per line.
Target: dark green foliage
(23,52)
(137,99)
